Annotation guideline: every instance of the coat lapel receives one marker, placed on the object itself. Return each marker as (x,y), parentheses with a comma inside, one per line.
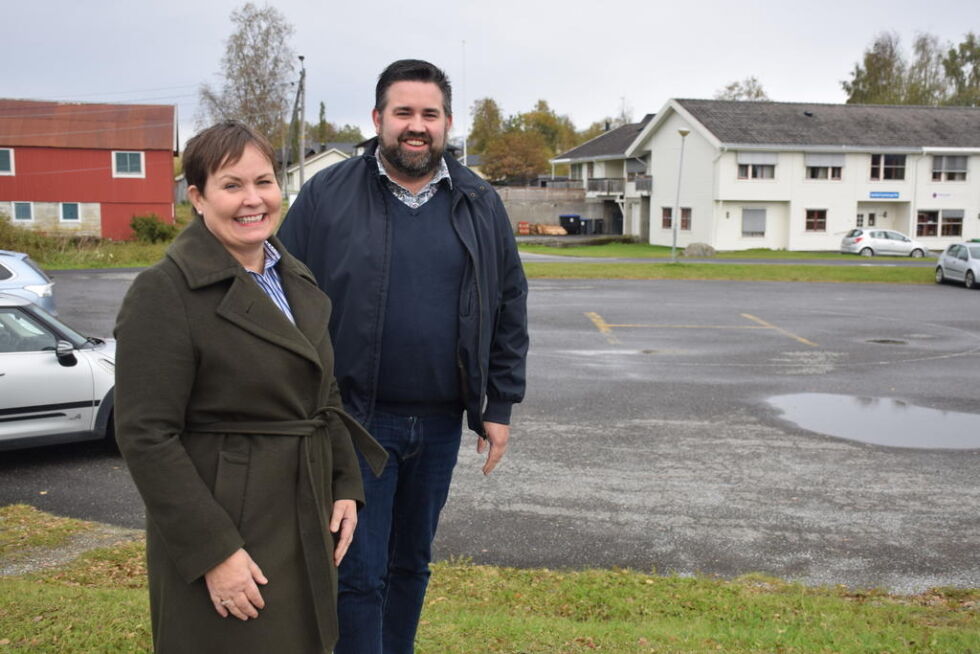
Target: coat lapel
(205,261)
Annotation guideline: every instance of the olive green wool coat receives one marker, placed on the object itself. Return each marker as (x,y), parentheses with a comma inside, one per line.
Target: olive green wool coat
(231,424)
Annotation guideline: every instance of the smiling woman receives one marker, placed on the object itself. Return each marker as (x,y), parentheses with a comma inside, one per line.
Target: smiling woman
(231,424)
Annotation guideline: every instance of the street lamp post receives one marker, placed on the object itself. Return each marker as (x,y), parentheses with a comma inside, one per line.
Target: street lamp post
(677,205)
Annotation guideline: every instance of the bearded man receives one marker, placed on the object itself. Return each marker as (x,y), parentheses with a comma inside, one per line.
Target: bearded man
(429,322)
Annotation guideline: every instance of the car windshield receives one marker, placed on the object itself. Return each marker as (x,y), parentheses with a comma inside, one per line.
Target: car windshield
(76,339)
(974,251)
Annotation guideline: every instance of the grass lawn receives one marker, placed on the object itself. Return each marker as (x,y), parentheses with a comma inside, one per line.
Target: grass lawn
(644,251)
(98,604)
(728,271)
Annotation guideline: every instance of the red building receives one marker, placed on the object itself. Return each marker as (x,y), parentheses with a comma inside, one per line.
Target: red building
(86,169)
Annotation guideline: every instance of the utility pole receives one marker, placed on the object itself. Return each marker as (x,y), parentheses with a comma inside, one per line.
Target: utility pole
(302,121)
(677,205)
(465,109)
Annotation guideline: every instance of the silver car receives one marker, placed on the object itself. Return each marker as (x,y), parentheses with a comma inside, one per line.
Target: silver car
(22,277)
(56,385)
(869,242)
(960,262)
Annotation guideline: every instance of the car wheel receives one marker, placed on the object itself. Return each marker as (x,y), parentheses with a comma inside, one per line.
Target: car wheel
(867,252)
(970,281)
(940,277)
(916,253)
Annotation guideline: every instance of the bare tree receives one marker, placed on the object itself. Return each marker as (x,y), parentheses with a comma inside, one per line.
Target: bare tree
(747,89)
(256,68)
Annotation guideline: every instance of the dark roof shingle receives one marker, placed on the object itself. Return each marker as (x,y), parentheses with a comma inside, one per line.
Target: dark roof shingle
(845,125)
(608,144)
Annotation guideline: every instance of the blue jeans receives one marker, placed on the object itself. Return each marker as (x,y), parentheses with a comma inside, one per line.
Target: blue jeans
(384,575)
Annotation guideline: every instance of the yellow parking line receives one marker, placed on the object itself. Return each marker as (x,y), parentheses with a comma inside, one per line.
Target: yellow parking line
(602,326)
(666,326)
(779,329)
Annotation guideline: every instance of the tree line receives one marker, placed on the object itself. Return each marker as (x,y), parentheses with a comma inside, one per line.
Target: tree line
(258,68)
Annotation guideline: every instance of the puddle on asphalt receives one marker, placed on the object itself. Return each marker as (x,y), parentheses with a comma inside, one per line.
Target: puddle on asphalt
(880,421)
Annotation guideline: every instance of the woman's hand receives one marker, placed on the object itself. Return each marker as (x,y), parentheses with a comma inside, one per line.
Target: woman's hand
(232,586)
(343,520)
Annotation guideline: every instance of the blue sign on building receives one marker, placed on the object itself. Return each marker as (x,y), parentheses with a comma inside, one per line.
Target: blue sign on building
(883,195)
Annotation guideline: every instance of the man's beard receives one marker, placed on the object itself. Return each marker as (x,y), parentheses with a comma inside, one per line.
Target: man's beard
(411,164)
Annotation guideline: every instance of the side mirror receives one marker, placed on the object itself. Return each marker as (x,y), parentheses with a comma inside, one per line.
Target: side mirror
(65,352)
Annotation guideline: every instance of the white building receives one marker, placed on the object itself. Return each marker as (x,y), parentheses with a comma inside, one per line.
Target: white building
(617,187)
(799,176)
(331,154)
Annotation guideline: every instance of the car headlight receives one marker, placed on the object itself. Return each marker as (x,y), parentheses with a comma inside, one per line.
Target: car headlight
(40,290)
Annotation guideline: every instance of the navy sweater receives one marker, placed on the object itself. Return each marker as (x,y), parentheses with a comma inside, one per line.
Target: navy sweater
(419,374)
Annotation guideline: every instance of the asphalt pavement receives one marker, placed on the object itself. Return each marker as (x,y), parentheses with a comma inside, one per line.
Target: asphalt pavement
(647,439)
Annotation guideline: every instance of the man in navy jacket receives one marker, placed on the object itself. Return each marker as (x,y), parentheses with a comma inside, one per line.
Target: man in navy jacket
(429,321)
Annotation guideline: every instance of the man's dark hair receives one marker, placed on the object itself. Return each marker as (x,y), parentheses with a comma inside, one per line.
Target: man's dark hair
(413,70)
(219,145)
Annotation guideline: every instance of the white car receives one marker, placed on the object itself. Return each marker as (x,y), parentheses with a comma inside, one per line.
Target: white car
(56,386)
(869,242)
(959,263)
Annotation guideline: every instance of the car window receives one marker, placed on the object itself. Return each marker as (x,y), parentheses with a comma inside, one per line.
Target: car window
(5,273)
(974,251)
(953,250)
(21,333)
(962,253)
(853,233)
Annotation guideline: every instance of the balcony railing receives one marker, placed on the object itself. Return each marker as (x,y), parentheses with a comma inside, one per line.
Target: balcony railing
(609,186)
(644,184)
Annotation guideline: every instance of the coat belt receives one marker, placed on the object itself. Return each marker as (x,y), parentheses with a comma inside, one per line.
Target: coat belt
(314,533)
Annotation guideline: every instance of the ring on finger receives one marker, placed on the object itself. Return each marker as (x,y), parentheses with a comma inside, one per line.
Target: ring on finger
(227,602)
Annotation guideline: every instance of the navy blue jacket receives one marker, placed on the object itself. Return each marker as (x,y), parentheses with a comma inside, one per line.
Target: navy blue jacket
(339,227)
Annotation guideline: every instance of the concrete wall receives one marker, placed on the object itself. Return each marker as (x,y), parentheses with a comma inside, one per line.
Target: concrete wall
(542,205)
(47,219)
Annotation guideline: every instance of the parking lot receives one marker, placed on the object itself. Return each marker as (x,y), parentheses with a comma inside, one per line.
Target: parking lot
(647,439)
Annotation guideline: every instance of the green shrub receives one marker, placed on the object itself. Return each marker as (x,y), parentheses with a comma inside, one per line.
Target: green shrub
(150,229)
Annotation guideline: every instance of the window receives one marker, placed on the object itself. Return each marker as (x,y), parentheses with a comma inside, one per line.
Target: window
(948,169)
(666,220)
(686,218)
(6,161)
(20,333)
(823,172)
(756,171)
(127,164)
(887,166)
(22,211)
(753,222)
(69,212)
(816,220)
(860,220)
(952,222)
(575,172)
(927,223)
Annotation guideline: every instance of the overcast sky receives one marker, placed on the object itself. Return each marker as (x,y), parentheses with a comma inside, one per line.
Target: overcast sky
(584,58)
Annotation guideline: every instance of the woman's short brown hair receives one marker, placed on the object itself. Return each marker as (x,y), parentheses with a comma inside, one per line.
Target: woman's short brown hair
(218,145)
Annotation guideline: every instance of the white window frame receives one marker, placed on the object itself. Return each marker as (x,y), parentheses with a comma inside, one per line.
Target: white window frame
(13,168)
(61,213)
(13,212)
(877,170)
(752,234)
(756,171)
(140,175)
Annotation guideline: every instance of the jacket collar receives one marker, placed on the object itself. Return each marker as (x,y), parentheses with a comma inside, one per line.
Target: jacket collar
(204,261)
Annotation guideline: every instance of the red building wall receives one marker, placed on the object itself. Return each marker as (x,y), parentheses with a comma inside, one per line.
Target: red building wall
(81,175)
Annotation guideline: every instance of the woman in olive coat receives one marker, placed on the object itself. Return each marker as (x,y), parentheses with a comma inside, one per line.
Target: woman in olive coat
(230,421)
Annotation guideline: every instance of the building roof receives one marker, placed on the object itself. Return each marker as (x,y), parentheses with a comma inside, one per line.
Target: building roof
(843,125)
(33,123)
(607,145)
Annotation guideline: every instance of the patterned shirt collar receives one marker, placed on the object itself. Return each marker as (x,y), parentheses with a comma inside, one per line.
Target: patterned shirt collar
(416,200)
(272,256)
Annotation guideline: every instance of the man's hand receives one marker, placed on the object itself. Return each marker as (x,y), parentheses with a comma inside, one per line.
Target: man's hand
(497,437)
(232,586)
(342,523)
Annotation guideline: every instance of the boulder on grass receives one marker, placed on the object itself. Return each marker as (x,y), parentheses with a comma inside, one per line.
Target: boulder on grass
(699,250)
